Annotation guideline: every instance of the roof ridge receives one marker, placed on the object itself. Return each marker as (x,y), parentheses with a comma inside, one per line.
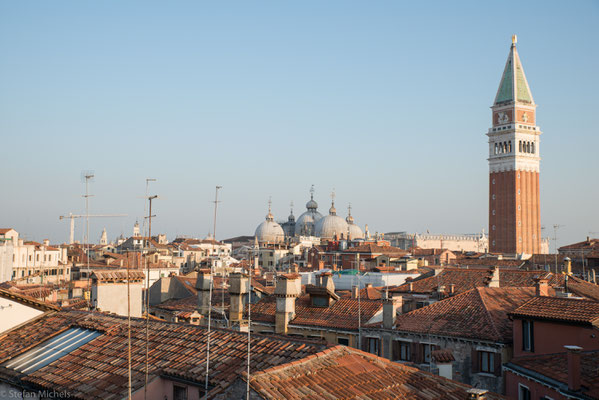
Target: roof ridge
(486,311)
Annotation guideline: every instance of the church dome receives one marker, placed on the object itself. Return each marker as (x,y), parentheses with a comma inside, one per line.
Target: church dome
(354,230)
(269,231)
(304,225)
(332,225)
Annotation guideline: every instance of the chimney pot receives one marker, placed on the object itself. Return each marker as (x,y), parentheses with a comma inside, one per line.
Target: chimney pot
(573,367)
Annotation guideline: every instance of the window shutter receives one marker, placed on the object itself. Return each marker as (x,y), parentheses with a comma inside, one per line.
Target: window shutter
(497,357)
(364,344)
(416,353)
(474,361)
(395,355)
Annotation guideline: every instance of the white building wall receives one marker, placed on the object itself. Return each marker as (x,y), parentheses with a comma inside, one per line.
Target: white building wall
(346,282)
(112,298)
(13,314)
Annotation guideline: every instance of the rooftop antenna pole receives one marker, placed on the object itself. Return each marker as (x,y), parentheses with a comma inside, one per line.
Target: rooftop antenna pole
(150,198)
(87,175)
(128,331)
(210,300)
(555,228)
(247,390)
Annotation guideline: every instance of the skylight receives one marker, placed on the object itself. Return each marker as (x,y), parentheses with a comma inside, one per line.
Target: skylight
(51,350)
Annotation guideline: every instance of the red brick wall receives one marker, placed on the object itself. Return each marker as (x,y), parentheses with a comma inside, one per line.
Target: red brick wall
(517,212)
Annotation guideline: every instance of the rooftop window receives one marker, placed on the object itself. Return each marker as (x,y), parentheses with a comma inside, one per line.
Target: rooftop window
(51,350)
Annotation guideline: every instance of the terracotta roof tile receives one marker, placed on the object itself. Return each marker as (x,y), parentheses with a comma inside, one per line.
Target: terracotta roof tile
(560,309)
(480,313)
(346,373)
(98,369)
(343,314)
(555,366)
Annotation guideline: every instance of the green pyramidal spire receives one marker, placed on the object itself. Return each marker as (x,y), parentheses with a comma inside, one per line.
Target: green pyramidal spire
(513,86)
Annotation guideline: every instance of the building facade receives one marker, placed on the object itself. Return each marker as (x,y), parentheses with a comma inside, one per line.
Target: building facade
(514,206)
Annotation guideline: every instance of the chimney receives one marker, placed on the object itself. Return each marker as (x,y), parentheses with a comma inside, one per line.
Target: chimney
(326,281)
(573,367)
(295,268)
(288,287)
(477,394)
(355,291)
(389,312)
(451,289)
(593,279)
(494,279)
(368,285)
(46,242)
(320,265)
(410,287)
(238,288)
(542,287)
(203,282)
(568,266)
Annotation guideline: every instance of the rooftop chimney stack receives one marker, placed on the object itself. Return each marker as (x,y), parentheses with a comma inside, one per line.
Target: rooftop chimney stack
(287,289)
(238,288)
(326,280)
(355,291)
(494,280)
(390,306)
(573,367)
(203,283)
(542,287)
(568,266)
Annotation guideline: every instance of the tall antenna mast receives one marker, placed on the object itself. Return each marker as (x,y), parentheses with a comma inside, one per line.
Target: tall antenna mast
(87,175)
(247,396)
(150,198)
(210,298)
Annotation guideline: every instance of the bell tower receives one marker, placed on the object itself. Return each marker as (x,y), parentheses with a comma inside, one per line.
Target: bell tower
(514,206)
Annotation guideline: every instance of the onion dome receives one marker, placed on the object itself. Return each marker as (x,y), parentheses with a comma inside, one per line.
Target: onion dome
(332,225)
(269,231)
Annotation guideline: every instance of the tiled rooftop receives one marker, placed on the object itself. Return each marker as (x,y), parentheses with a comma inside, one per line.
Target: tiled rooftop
(555,366)
(466,279)
(343,314)
(560,309)
(480,313)
(98,369)
(346,373)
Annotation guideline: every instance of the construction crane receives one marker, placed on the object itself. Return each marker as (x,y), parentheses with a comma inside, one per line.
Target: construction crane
(72,218)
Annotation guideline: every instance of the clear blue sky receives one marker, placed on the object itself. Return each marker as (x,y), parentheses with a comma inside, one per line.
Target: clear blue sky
(387,102)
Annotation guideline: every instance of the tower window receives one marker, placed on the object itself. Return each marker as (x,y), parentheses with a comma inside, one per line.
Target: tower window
(518,191)
(493,227)
(493,181)
(493,197)
(493,212)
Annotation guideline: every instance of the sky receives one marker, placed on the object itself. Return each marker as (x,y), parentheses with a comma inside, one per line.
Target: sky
(386,103)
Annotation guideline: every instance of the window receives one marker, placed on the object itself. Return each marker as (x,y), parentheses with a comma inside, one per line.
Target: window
(343,341)
(401,350)
(523,392)
(372,345)
(528,336)
(179,392)
(487,362)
